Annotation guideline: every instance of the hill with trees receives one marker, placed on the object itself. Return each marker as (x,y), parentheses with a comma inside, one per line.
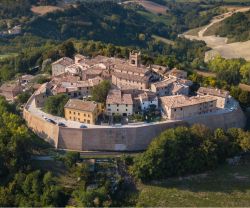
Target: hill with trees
(235,28)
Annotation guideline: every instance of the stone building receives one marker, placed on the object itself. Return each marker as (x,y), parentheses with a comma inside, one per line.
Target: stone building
(221,95)
(171,86)
(59,66)
(82,111)
(148,99)
(74,87)
(131,74)
(41,95)
(10,90)
(119,103)
(176,73)
(180,106)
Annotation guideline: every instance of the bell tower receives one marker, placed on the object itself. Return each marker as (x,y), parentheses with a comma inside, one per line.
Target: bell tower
(135,58)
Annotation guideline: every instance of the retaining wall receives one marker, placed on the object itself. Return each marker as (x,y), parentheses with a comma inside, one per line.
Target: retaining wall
(122,138)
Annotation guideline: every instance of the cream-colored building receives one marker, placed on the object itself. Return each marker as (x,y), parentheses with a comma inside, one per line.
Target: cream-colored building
(180,106)
(221,95)
(82,111)
(119,103)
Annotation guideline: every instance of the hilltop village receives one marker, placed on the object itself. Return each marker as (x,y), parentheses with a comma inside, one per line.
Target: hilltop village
(135,90)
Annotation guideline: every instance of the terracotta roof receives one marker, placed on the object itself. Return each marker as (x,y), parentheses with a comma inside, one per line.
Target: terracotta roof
(126,67)
(65,61)
(165,82)
(213,91)
(177,72)
(131,77)
(177,101)
(81,105)
(147,96)
(89,83)
(67,77)
(117,97)
(10,87)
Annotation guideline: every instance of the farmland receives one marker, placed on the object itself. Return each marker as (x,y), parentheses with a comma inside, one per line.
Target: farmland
(42,10)
(227,186)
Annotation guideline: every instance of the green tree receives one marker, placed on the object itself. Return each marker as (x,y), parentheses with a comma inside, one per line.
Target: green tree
(245,73)
(67,49)
(55,104)
(99,92)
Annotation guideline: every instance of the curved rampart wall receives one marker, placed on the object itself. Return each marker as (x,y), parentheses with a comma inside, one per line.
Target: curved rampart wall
(41,128)
(115,139)
(122,138)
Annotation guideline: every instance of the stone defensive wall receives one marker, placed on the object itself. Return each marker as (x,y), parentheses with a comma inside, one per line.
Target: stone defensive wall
(124,138)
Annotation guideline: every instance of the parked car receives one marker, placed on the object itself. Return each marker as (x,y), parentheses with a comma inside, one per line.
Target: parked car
(83,126)
(51,121)
(61,124)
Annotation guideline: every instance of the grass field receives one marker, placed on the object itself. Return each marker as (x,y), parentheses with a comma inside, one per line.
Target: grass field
(154,7)
(154,17)
(226,186)
(162,39)
(7,55)
(42,10)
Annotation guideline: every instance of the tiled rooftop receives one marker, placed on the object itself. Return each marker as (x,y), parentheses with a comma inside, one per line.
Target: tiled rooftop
(182,101)
(213,91)
(65,61)
(117,97)
(131,77)
(81,105)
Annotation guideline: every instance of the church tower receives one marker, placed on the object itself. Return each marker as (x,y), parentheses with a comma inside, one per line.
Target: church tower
(135,58)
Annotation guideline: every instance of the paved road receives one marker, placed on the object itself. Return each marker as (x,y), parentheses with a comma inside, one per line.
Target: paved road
(232,105)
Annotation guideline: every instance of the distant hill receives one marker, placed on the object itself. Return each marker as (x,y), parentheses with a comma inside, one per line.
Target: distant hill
(104,21)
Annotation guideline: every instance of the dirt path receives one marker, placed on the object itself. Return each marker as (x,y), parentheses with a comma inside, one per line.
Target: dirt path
(219,44)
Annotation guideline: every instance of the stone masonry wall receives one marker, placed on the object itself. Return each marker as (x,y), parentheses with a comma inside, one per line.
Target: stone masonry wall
(121,138)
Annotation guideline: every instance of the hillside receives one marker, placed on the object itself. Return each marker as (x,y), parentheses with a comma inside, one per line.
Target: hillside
(103,21)
(236,28)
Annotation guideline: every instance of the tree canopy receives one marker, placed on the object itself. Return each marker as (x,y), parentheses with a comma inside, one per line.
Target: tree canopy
(55,104)
(184,150)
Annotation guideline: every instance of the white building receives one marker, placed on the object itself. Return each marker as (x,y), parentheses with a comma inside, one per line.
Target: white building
(148,99)
(119,103)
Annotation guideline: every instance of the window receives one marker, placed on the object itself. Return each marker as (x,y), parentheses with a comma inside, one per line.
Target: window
(88,115)
(126,105)
(181,109)
(84,114)
(117,109)
(117,105)
(74,113)
(126,109)
(109,105)
(174,109)
(69,112)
